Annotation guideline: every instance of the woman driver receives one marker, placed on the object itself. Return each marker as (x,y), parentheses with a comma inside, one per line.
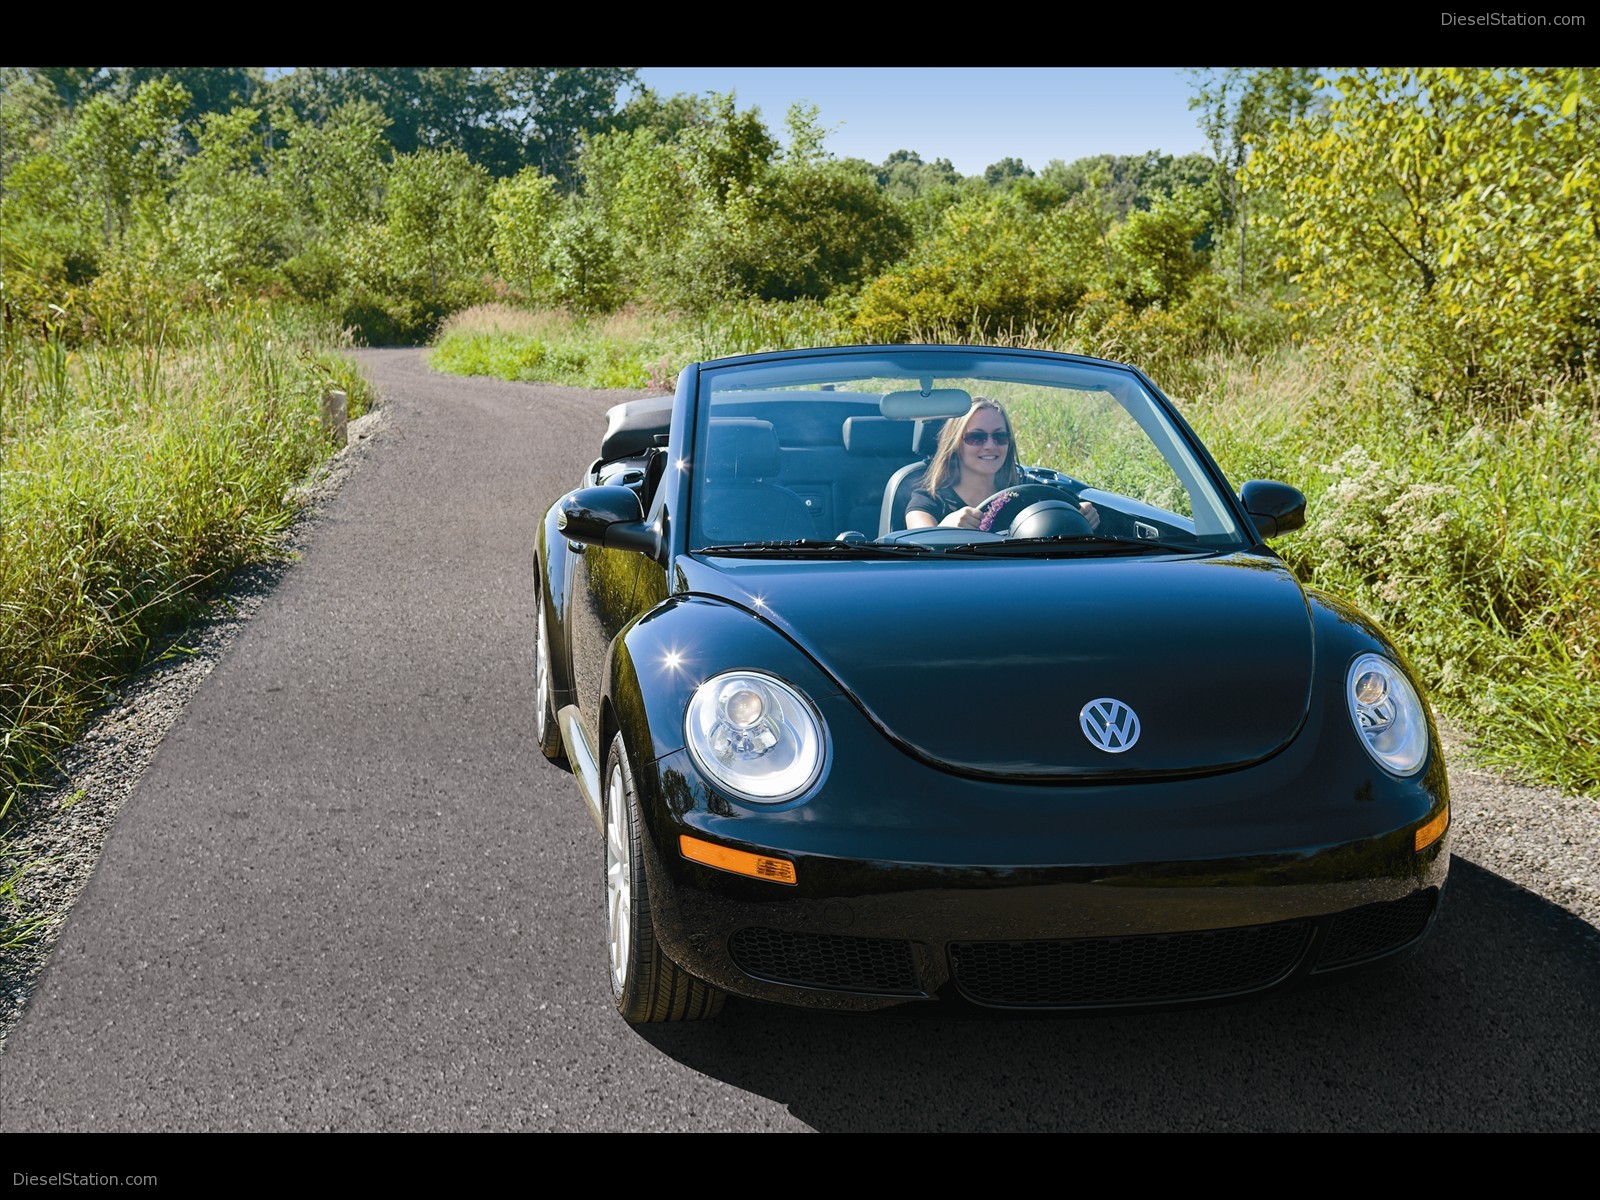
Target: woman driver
(975,458)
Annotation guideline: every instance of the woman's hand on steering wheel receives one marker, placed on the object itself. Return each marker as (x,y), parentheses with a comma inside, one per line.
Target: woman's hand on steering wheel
(965,518)
(995,507)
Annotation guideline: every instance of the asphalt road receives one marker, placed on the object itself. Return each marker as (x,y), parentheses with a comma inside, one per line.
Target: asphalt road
(349,894)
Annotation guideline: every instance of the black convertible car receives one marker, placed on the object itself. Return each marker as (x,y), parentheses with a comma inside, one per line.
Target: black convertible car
(905,673)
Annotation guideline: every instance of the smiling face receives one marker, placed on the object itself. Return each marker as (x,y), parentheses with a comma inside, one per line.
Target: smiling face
(981,455)
(983,461)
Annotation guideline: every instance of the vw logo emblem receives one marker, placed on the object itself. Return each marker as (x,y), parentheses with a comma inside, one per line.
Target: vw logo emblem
(1109,724)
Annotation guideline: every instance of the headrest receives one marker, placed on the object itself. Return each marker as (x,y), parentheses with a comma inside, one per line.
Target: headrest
(927,438)
(741,448)
(878,437)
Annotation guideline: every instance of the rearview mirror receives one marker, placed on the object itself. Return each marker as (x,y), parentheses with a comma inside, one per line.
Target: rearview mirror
(935,402)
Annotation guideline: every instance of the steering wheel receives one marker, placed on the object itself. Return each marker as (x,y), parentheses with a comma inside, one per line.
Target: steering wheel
(1033,510)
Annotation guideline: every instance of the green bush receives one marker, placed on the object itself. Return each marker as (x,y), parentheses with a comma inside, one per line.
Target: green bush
(992,267)
(812,229)
(377,320)
(317,274)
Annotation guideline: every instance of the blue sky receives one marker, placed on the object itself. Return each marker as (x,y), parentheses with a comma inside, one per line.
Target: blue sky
(973,116)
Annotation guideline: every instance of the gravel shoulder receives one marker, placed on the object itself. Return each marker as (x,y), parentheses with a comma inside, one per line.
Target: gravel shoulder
(1535,837)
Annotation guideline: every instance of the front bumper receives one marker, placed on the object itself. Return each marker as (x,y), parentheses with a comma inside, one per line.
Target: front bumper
(1041,896)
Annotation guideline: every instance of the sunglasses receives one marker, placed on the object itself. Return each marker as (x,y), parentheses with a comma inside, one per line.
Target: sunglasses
(979,437)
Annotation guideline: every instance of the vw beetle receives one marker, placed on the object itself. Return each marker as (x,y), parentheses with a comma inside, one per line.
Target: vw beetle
(1082,743)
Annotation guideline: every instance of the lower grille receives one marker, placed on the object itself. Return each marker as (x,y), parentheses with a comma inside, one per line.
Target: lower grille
(1377,929)
(1086,972)
(846,964)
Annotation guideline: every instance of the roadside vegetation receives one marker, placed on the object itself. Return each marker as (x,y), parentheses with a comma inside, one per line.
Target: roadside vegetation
(1378,285)
(136,473)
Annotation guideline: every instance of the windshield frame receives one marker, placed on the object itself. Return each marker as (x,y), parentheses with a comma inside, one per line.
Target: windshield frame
(1218,516)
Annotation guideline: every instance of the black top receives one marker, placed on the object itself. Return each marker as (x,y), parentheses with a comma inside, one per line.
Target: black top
(938,504)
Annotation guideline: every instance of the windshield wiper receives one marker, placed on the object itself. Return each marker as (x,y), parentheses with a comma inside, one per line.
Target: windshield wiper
(1084,543)
(814,547)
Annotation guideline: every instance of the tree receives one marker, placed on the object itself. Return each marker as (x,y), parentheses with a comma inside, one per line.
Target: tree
(74,85)
(210,89)
(677,198)
(923,190)
(523,211)
(123,153)
(806,134)
(813,227)
(503,118)
(427,107)
(1124,182)
(1453,212)
(805,225)
(45,245)
(230,221)
(726,152)
(437,223)
(30,109)
(993,265)
(338,166)
(548,111)
(1239,109)
(665,117)
(583,261)
(1007,169)
(636,183)
(1158,250)
(904,174)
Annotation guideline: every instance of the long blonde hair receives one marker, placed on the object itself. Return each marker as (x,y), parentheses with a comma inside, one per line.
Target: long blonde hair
(945,468)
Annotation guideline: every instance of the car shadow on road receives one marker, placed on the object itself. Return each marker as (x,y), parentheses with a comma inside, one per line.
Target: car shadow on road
(1491,1026)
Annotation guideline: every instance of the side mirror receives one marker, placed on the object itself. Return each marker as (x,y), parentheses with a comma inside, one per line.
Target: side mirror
(1274,507)
(606,516)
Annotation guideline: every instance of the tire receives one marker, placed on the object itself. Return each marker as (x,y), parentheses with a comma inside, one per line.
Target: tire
(646,985)
(545,728)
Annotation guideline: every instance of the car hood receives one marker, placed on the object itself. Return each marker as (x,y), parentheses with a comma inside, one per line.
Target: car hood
(986,667)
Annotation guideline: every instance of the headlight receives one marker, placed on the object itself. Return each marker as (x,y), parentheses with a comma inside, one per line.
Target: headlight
(755,735)
(1387,714)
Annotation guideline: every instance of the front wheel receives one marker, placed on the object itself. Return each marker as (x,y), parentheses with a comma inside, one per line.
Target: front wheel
(645,984)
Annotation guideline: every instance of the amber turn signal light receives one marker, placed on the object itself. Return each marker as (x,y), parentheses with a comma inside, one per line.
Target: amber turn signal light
(1434,829)
(740,862)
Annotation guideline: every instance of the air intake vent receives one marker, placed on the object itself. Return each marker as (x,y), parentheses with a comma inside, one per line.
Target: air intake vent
(1377,929)
(1088,972)
(846,964)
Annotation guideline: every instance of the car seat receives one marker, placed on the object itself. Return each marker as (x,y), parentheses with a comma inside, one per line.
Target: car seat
(737,500)
(897,493)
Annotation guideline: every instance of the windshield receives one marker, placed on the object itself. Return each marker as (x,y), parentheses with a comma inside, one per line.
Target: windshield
(946,449)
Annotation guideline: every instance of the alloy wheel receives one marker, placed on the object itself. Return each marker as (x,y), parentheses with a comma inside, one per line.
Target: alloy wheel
(619,881)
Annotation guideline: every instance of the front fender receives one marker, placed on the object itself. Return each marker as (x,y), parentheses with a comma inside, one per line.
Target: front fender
(656,665)
(661,658)
(553,575)
(1343,633)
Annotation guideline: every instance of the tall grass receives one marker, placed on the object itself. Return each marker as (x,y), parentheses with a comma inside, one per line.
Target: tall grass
(1479,544)
(135,474)
(633,349)
(1475,540)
